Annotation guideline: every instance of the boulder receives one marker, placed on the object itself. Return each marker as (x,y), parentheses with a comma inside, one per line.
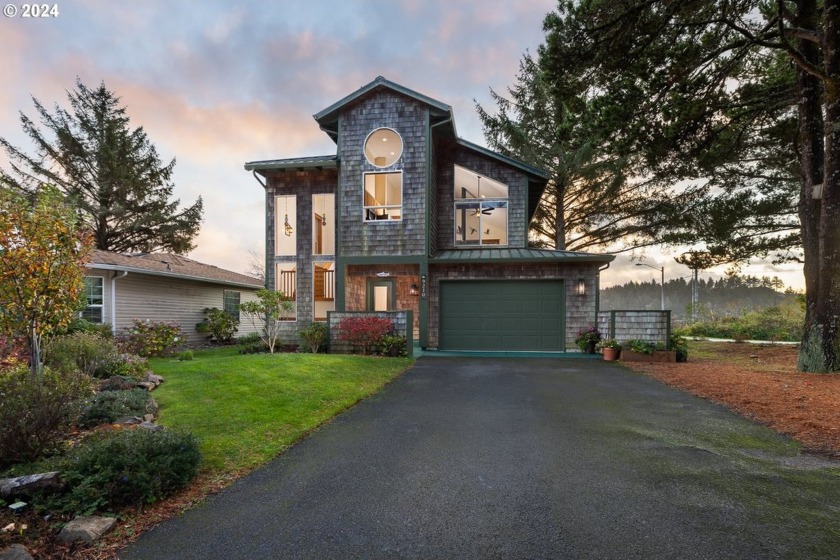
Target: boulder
(22,485)
(151,427)
(15,552)
(148,385)
(128,420)
(87,529)
(156,379)
(152,406)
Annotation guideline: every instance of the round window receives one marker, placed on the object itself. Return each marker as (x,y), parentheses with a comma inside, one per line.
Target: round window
(383,147)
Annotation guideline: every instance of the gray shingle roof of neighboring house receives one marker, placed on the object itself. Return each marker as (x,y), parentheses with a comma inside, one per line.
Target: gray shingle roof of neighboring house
(169,265)
(517,255)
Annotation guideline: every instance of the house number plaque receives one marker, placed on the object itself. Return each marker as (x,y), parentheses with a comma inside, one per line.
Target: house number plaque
(422,285)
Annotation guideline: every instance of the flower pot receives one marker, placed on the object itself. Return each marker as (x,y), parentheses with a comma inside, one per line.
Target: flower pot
(590,348)
(611,354)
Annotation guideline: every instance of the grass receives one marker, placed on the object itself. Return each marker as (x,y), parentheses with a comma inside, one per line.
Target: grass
(246,409)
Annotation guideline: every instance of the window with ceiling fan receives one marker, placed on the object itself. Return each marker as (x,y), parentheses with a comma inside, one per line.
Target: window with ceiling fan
(481,209)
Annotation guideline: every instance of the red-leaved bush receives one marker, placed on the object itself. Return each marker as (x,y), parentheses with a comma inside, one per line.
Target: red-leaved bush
(363,332)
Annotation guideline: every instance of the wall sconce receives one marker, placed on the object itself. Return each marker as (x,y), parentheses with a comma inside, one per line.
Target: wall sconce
(414,290)
(581,287)
(287,226)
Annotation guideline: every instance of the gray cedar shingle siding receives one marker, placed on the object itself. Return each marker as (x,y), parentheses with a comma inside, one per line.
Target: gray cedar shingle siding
(450,154)
(383,109)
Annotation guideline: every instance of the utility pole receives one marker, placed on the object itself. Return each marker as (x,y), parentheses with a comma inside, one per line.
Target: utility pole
(662,270)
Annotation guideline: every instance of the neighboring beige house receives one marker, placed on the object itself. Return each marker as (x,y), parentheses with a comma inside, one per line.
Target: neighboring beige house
(162,287)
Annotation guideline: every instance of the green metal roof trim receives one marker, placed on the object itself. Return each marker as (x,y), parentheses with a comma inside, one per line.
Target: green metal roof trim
(530,169)
(328,118)
(326,162)
(516,255)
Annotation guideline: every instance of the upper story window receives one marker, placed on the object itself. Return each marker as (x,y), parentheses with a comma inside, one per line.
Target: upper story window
(383,196)
(323,224)
(383,190)
(285,225)
(383,147)
(481,209)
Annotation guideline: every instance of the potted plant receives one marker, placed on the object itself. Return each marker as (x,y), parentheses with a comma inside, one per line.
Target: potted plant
(587,339)
(610,348)
(646,351)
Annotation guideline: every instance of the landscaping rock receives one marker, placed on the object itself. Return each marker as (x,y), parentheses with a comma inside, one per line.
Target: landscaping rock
(148,385)
(117,383)
(152,406)
(87,529)
(156,379)
(151,427)
(148,418)
(128,420)
(26,484)
(15,552)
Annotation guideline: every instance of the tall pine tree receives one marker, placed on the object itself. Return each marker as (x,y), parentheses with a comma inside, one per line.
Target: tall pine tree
(111,172)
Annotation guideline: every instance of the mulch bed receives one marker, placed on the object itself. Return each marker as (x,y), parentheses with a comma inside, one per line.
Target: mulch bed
(761,383)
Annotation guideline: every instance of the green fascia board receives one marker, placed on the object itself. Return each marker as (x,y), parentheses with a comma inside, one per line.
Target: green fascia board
(522,166)
(293,164)
(384,259)
(328,117)
(516,255)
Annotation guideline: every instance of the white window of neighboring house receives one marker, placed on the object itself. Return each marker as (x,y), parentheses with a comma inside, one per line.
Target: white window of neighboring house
(94,299)
(323,224)
(383,196)
(286,282)
(323,289)
(231,302)
(285,225)
(481,209)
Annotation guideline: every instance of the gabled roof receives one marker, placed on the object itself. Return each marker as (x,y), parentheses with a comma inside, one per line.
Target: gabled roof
(293,164)
(517,255)
(172,266)
(328,118)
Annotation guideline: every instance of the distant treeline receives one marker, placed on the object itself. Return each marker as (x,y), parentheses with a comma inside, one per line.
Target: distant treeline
(727,297)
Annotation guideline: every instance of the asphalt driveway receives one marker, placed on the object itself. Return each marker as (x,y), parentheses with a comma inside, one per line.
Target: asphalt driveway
(522,458)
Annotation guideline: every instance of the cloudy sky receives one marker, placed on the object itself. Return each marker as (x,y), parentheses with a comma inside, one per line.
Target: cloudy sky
(216,84)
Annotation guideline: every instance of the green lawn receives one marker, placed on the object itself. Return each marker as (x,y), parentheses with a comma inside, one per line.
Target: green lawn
(247,409)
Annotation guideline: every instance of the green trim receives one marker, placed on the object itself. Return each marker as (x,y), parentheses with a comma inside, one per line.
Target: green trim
(597,296)
(424,306)
(668,329)
(612,324)
(385,259)
(392,293)
(409,332)
(522,166)
(340,268)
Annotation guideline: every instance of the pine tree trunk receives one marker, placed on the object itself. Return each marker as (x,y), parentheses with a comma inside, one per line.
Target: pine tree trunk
(821,219)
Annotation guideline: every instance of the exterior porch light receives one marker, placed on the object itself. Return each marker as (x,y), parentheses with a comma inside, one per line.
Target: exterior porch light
(414,290)
(581,287)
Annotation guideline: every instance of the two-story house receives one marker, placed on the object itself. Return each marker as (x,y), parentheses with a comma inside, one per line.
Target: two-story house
(407,215)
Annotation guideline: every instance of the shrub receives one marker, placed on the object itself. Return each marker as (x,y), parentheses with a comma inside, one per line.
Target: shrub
(393,345)
(679,345)
(149,339)
(640,346)
(587,338)
(12,352)
(93,355)
(185,356)
(315,336)
(83,325)
(220,325)
(363,332)
(37,410)
(126,467)
(109,406)
(251,343)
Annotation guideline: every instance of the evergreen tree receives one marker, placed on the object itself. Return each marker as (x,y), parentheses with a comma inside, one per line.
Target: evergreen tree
(110,172)
(741,97)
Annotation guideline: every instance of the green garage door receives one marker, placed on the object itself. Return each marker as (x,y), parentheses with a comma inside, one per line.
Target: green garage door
(502,315)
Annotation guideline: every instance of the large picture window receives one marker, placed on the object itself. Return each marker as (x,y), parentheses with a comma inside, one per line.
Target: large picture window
(285,229)
(383,196)
(481,209)
(94,299)
(286,282)
(323,224)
